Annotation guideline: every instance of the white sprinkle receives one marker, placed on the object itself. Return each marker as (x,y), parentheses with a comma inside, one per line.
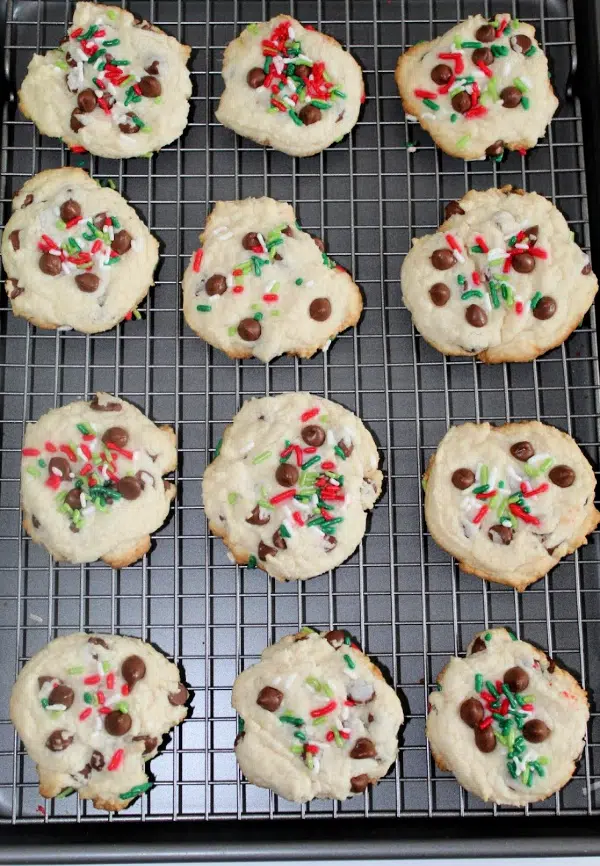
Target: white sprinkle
(229,281)
(60,707)
(98,93)
(526,81)
(82,56)
(345,712)
(226,237)
(291,33)
(54,252)
(278,63)
(308,98)
(287,683)
(458,256)
(137,245)
(83,499)
(35,618)
(220,230)
(334,482)
(410,117)
(427,115)
(270,286)
(330,436)
(88,511)
(111,232)
(309,284)
(521,246)
(247,447)
(486,302)
(316,765)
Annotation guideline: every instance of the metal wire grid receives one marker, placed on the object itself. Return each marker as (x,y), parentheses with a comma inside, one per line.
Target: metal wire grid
(399,594)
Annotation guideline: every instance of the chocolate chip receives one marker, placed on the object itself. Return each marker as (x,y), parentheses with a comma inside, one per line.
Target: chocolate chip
(463,478)
(522,451)
(61,695)
(363,748)
(485,33)
(336,637)
(500,534)
(43,680)
(551,665)
(255,77)
(59,740)
(313,435)
(264,550)
(178,698)
(116,436)
(129,127)
(478,645)
(129,487)
(150,86)
(485,740)
(132,670)
(50,264)
(122,242)
(532,234)
(73,498)
(69,210)
(279,541)
(545,308)
(330,543)
(439,294)
(98,641)
(441,74)
(86,771)
(16,291)
(320,309)
(358,784)
(476,316)
(347,449)
(27,201)
(482,55)
(452,208)
(495,149)
(562,476)
(471,712)
(442,259)
(70,60)
(153,68)
(255,518)
(150,743)
(516,679)
(536,731)
(87,282)
(87,100)
(97,761)
(309,114)
(249,330)
(35,521)
(288,231)
(319,242)
(461,102)
(100,220)
(116,723)
(286,474)
(61,465)
(249,242)
(216,285)
(269,699)
(586,269)
(371,718)
(523,263)
(16,244)
(520,43)
(104,407)
(510,96)
(239,737)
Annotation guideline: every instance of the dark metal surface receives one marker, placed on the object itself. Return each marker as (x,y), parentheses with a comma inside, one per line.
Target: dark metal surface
(400,594)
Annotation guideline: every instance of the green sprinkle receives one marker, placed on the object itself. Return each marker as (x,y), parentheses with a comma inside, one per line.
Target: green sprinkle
(66,792)
(484,476)
(509,695)
(61,64)
(430,104)
(520,84)
(525,102)
(339,93)
(311,462)
(285,531)
(77,670)
(314,683)
(318,103)
(476,249)
(320,720)
(41,463)
(300,735)
(317,521)
(309,761)
(306,629)
(106,665)
(257,316)
(204,308)
(463,141)
(232,498)
(349,661)
(138,121)
(44,702)
(487,636)
(453,118)
(96,55)
(111,42)
(327,689)
(262,457)
(299,281)
(460,280)
(89,32)
(110,13)
(291,720)
(122,707)
(87,697)
(543,760)
(472,45)
(455,90)
(251,562)
(512,769)
(83,428)
(497,50)
(294,117)
(121,63)
(232,330)
(530,51)
(253,28)
(133,792)
(478,682)
(474,293)
(296,749)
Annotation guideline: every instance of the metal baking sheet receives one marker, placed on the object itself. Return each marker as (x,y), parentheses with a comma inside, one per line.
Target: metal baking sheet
(401,596)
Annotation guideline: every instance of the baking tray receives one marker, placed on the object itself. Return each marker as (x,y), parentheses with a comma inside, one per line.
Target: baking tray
(402,597)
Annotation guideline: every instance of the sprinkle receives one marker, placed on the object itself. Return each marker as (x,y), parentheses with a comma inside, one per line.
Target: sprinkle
(523,515)
(93,680)
(85,714)
(262,457)
(430,104)
(232,498)
(425,94)
(116,760)
(204,308)
(291,720)
(481,514)
(463,141)
(137,789)
(310,413)
(530,51)
(349,661)
(323,711)
(525,102)
(478,682)
(75,671)
(474,293)
(485,723)
(251,562)
(520,84)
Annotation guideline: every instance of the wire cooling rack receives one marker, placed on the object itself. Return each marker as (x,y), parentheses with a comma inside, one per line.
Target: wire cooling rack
(399,594)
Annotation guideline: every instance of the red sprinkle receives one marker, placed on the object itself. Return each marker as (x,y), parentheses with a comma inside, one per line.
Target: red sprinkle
(122,451)
(310,449)
(281,497)
(476,278)
(324,711)
(522,151)
(125,690)
(85,470)
(93,680)
(77,148)
(326,514)
(270,299)
(425,94)
(344,735)
(238,290)
(459,64)
(476,111)
(538,253)
(97,245)
(137,89)
(481,514)
(506,265)
(105,710)
(75,33)
(101,697)
(31,452)
(86,451)
(53,481)
(73,222)
(85,714)
(329,497)
(475,94)
(487,697)
(110,680)
(445,88)
(528,707)
(527,493)
(116,760)
(518,307)
(504,707)
(486,723)
(66,449)
(197,260)
(50,446)
(523,515)
(298,518)
(310,413)
(349,702)
(502,27)
(328,465)
(50,242)
(485,69)
(453,243)
(489,495)
(329,736)
(480,242)
(310,749)
(103,105)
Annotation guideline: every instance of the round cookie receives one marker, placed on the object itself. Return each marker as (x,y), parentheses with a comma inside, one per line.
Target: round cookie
(115,86)
(76,254)
(91,481)
(261,286)
(290,486)
(509,502)
(480,88)
(317,719)
(91,710)
(290,87)
(502,279)
(507,721)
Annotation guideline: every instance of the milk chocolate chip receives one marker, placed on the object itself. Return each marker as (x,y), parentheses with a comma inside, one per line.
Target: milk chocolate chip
(442,259)
(129,487)
(59,740)
(463,478)
(309,114)
(255,518)
(500,534)
(495,149)
(132,670)
(117,724)
(510,96)
(562,476)
(59,466)
(536,731)
(179,697)
(116,436)
(363,748)
(523,263)
(461,102)
(264,550)
(216,285)
(520,43)
(439,294)
(16,244)
(255,77)
(482,55)
(122,242)
(250,241)
(485,740)
(286,474)
(61,695)
(87,100)
(485,33)
(69,210)
(87,282)
(129,127)
(313,435)
(150,86)
(320,309)
(476,316)
(358,784)
(150,743)
(545,308)
(50,264)
(516,679)
(279,540)
(452,208)
(73,498)
(249,330)
(522,451)
(441,74)
(269,699)
(471,712)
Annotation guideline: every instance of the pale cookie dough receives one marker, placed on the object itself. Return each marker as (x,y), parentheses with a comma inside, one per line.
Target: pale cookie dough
(320,87)
(261,286)
(116,86)
(507,721)
(75,253)
(502,278)
(291,485)
(91,710)
(509,502)
(317,719)
(91,481)
(481,87)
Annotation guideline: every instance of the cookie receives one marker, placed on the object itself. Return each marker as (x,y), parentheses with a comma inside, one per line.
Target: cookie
(480,88)
(291,483)
(509,502)
(91,710)
(115,86)
(502,279)
(507,721)
(76,254)
(290,87)
(317,719)
(91,481)
(261,286)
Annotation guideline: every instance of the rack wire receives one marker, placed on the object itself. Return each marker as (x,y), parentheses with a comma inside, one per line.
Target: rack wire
(402,597)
